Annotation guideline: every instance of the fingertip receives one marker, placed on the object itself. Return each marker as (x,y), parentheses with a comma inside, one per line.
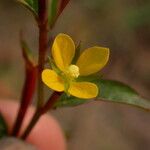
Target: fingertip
(46,134)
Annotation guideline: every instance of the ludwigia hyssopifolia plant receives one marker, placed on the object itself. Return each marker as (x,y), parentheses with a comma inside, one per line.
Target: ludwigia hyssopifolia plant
(70,74)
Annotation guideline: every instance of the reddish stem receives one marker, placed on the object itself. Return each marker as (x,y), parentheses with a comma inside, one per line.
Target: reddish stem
(28,87)
(26,98)
(51,101)
(63,4)
(43,41)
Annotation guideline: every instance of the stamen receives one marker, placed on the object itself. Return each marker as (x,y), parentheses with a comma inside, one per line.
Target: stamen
(73,71)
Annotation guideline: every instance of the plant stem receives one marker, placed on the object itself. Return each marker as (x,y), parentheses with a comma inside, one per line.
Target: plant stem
(51,101)
(39,112)
(63,4)
(43,41)
(35,118)
(27,94)
(28,87)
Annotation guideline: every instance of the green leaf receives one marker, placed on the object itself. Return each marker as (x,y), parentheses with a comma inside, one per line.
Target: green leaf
(77,53)
(110,91)
(53,10)
(114,91)
(31,5)
(3,127)
(27,53)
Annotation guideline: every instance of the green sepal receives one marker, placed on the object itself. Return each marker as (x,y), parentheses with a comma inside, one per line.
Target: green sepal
(59,72)
(77,53)
(3,127)
(89,78)
(53,66)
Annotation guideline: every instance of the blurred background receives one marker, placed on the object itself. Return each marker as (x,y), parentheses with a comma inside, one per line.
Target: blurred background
(121,25)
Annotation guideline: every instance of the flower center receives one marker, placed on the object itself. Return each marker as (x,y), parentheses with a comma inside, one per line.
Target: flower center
(73,71)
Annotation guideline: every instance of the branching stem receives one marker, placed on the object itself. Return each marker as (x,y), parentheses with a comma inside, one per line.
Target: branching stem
(43,41)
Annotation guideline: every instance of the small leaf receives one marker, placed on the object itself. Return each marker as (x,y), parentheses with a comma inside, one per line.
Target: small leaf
(89,78)
(77,53)
(31,5)
(3,127)
(53,11)
(27,53)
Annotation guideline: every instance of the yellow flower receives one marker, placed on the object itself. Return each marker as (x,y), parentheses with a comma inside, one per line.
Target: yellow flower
(91,61)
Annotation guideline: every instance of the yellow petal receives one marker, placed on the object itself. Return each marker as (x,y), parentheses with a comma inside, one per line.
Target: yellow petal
(63,51)
(52,80)
(84,90)
(92,60)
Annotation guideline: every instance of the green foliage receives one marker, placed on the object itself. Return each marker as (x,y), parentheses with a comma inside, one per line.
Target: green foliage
(53,11)
(110,91)
(31,5)
(27,53)
(114,91)
(3,127)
